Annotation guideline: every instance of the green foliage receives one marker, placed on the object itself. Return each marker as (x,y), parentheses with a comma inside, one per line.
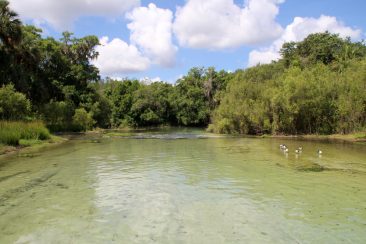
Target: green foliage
(10,26)
(189,102)
(324,47)
(13,105)
(197,94)
(55,75)
(151,104)
(34,130)
(319,86)
(29,143)
(82,120)
(9,136)
(58,115)
(244,107)
(351,103)
(12,132)
(120,94)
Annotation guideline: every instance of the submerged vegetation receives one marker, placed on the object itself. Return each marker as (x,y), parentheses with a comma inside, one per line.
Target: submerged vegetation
(317,87)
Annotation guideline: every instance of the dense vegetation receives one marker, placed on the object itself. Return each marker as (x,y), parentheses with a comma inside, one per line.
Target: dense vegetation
(318,86)
(21,133)
(189,102)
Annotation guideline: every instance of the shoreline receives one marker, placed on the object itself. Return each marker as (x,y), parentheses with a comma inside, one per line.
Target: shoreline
(56,140)
(6,150)
(359,137)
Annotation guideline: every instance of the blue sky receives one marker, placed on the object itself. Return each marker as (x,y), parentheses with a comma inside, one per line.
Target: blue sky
(163,39)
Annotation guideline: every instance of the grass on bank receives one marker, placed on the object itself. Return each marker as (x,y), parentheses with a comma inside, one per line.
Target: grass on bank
(16,133)
(351,137)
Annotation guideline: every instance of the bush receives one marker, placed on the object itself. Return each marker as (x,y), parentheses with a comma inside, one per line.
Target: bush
(9,136)
(58,115)
(35,131)
(82,120)
(12,132)
(13,105)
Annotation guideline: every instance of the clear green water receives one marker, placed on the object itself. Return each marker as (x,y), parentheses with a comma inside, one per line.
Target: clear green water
(156,188)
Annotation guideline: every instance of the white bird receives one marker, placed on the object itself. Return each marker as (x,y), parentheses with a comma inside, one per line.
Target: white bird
(297,151)
(320,151)
(286,150)
(300,149)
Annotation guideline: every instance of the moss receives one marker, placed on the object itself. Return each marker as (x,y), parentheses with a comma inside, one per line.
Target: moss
(28,143)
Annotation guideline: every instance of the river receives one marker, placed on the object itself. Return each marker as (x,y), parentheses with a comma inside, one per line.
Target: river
(184,186)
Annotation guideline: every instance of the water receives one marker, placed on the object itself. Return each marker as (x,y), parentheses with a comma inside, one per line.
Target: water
(184,187)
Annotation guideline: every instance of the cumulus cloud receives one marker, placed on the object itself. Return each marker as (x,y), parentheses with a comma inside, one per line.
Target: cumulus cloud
(297,31)
(151,31)
(60,14)
(148,80)
(116,57)
(220,24)
(150,43)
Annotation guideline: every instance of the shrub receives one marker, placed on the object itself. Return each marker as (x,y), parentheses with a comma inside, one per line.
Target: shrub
(12,132)
(58,115)
(13,105)
(82,120)
(35,130)
(9,136)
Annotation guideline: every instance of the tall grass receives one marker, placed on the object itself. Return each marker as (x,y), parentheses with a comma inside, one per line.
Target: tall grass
(11,132)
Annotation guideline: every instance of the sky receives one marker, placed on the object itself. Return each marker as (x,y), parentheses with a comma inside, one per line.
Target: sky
(162,39)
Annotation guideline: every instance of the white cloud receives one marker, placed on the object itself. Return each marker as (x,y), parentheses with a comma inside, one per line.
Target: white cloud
(151,31)
(116,57)
(61,14)
(297,31)
(220,24)
(148,80)
(151,43)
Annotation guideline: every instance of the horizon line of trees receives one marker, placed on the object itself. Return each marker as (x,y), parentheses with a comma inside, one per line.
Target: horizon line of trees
(318,86)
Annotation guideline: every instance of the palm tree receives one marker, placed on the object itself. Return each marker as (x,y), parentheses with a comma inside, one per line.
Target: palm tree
(10,26)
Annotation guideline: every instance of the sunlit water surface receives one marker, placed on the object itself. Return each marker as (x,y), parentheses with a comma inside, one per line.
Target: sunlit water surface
(184,187)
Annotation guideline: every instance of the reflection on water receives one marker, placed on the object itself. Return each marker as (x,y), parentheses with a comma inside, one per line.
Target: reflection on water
(169,187)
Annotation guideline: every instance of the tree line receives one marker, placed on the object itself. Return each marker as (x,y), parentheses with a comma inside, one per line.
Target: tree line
(318,86)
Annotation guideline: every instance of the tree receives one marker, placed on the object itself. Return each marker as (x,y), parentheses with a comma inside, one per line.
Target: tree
(13,105)
(197,94)
(151,104)
(10,26)
(120,94)
(82,120)
(323,48)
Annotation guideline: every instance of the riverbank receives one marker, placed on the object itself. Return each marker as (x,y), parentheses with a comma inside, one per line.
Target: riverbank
(27,146)
(359,137)
(127,131)
(352,138)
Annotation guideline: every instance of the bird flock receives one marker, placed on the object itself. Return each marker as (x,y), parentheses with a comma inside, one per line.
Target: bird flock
(285,149)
